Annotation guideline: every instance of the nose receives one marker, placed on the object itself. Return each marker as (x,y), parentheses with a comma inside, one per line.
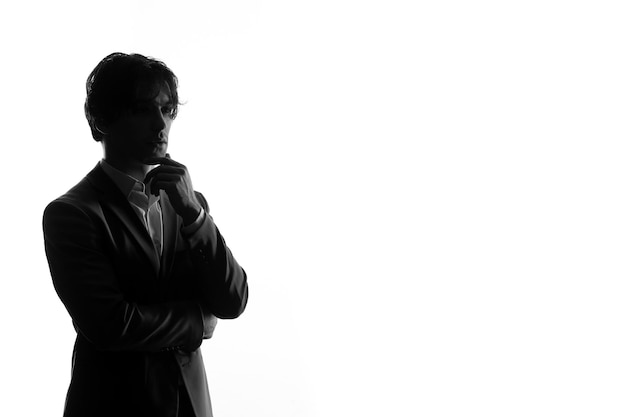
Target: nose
(159,121)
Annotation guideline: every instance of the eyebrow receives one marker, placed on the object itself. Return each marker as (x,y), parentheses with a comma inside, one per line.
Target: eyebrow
(151,100)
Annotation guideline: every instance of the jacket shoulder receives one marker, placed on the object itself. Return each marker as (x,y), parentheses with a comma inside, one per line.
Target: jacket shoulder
(79,196)
(83,196)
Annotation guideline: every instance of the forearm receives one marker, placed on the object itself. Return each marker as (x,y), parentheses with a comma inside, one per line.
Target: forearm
(103,316)
(223,282)
(134,327)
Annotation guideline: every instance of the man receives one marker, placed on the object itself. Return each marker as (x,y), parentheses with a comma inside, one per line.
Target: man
(136,258)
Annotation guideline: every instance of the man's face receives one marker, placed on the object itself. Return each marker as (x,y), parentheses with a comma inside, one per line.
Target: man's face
(143,130)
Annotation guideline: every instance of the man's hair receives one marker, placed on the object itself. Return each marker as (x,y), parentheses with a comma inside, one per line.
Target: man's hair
(112,87)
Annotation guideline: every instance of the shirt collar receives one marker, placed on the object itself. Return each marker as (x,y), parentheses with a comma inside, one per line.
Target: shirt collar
(125,182)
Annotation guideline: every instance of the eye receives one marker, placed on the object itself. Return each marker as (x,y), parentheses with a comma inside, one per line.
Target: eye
(140,109)
(167,110)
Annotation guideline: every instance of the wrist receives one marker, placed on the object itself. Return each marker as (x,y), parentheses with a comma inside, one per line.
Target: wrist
(190,214)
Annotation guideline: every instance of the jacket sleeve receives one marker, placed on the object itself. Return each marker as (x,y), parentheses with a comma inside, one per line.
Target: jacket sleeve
(223,283)
(86,283)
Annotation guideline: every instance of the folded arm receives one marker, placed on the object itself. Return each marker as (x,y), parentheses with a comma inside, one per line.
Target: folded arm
(84,279)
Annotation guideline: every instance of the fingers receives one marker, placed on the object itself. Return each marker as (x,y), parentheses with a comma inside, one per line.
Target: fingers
(155,187)
(163,182)
(154,160)
(164,170)
(173,178)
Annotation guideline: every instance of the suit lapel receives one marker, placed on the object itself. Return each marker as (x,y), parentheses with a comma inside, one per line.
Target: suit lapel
(112,198)
(171,227)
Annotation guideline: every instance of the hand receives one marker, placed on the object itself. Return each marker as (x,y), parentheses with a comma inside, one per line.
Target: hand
(173,178)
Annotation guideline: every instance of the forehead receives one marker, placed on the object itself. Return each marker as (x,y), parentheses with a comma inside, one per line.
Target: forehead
(153,91)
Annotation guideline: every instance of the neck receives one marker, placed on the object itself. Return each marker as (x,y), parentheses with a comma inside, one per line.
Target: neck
(135,170)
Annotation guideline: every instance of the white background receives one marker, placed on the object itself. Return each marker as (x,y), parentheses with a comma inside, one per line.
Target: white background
(428,197)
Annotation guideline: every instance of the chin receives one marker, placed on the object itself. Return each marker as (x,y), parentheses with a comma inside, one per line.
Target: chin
(159,152)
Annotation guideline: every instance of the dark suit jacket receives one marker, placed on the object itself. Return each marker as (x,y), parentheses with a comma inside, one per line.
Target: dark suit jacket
(139,322)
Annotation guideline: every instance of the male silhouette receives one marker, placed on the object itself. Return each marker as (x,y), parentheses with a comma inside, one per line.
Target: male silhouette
(136,258)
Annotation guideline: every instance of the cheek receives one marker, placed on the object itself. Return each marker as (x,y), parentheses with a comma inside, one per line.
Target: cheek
(137,130)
